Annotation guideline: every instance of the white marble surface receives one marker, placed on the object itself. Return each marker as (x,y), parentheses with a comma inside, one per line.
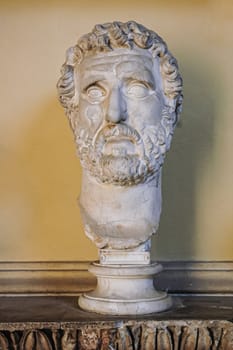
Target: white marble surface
(125,290)
(122,92)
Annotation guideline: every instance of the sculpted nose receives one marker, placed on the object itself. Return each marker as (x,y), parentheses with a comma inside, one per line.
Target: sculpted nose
(116,107)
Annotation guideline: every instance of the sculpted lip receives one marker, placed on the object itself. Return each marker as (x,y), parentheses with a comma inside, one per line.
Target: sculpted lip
(119,146)
(119,130)
(119,139)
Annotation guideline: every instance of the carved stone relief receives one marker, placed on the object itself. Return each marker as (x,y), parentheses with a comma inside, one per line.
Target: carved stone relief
(180,335)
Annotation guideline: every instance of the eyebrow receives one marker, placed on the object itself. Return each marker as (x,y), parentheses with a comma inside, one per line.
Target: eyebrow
(140,75)
(91,79)
(144,76)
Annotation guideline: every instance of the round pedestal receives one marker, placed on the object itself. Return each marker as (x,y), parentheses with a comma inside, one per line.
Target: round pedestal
(125,290)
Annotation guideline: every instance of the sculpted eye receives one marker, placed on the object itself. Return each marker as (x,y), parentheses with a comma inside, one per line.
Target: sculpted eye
(138,90)
(95,93)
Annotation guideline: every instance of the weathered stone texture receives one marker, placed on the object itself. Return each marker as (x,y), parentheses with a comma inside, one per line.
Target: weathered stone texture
(134,335)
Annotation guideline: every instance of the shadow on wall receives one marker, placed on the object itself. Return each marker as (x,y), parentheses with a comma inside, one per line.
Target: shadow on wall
(42,183)
(191,151)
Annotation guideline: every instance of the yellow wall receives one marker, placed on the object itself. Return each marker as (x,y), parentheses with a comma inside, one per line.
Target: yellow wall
(40,175)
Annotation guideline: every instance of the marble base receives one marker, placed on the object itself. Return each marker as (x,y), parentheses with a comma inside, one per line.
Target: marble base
(125,290)
(55,322)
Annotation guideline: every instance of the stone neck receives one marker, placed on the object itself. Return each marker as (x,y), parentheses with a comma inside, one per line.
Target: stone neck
(120,217)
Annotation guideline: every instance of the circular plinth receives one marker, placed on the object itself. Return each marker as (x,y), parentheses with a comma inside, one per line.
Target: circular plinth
(125,290)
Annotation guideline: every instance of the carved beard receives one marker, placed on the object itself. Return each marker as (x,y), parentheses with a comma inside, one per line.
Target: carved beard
(121,156)
(121,169)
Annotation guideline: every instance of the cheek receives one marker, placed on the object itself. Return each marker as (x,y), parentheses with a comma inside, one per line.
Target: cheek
(153,111)
(93,114)
(90,115)
(147,111)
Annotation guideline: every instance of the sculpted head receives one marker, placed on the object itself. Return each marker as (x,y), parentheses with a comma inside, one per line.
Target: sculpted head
(122,92)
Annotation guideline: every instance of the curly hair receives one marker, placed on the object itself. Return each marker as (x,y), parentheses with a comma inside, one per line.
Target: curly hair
(109,36)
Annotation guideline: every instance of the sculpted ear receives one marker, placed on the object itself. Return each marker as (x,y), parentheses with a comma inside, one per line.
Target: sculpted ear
(67,90)
(173,107)
(171,79)
(66,86)
(168,121)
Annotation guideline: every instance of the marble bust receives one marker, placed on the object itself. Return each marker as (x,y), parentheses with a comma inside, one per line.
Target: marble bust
(122,92)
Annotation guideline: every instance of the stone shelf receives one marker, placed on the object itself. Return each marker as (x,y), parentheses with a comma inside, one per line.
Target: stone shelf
(56,323)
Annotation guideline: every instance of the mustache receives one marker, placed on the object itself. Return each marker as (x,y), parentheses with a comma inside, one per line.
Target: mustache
(117,130)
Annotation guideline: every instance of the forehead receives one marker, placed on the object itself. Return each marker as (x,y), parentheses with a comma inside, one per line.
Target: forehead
(119,63)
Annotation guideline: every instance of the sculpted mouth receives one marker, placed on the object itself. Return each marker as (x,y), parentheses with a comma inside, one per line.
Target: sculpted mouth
(120,131)
(118,140)
(119,146)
